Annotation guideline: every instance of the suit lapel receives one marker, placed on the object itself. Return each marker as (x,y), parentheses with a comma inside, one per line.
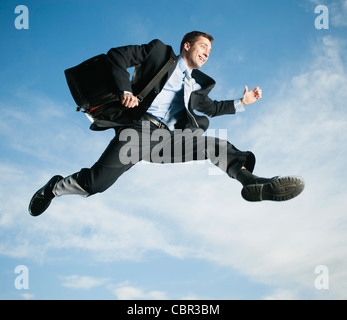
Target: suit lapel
(172,68)
(206,82)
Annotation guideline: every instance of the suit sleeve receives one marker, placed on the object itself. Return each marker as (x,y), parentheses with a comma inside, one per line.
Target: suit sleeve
(126,57)
(214,108)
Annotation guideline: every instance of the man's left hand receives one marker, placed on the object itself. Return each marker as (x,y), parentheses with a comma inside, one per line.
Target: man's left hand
(251,96)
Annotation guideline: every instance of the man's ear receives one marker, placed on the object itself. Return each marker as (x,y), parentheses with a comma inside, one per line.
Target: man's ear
(186,46)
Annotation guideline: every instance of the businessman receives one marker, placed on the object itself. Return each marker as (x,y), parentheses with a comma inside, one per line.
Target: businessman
(164,126)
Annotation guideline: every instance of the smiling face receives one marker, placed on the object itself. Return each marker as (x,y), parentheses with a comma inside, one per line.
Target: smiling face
(197,53)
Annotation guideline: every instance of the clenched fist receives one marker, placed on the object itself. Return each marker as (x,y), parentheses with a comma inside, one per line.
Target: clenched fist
(129,101)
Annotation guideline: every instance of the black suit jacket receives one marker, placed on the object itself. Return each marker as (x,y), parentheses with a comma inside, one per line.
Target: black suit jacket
(147,60)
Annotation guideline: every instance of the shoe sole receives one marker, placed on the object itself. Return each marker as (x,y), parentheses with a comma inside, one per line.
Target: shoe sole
(281,189)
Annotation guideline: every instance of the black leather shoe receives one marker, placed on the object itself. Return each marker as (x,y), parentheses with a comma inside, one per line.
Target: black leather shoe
(43,197)
(275,189)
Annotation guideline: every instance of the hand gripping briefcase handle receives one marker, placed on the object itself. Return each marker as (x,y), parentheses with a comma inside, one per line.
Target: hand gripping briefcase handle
(92,84)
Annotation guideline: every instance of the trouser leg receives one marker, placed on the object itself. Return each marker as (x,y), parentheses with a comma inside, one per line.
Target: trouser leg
(191,145)
(69,185)
(226,156)
(124,151)
(99,177)
(106,171)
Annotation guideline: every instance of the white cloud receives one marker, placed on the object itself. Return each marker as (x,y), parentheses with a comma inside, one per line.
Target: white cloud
(102,225)
(281,295)
(82,282)
(308,116)
(28,296)
(339,13)
(125,292)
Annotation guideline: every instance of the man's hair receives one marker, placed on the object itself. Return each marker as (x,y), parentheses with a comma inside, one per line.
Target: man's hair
(193,36)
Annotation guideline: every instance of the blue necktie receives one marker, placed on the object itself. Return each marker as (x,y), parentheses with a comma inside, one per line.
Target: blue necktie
(188,87)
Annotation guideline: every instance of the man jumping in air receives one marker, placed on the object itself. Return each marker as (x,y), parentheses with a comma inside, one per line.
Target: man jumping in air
(169,108)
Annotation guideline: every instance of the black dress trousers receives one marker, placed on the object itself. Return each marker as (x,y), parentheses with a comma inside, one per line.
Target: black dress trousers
(144,141)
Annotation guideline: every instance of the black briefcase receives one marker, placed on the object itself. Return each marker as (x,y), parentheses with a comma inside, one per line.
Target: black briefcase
(91,83)
(92,86)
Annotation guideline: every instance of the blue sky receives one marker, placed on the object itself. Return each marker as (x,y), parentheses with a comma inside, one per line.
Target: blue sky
(177,231)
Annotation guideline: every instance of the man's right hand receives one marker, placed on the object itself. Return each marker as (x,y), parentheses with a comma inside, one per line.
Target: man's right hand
(129,101)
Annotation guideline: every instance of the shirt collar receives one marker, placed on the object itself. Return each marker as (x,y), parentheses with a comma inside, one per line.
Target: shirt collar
(183,66)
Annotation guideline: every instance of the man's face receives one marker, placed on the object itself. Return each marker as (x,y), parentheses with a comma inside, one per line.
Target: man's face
(197,54)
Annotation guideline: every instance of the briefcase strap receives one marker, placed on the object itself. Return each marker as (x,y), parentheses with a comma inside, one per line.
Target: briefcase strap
(156,79)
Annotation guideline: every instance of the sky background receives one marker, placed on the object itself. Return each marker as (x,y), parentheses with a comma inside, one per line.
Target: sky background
(177,231)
